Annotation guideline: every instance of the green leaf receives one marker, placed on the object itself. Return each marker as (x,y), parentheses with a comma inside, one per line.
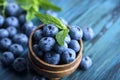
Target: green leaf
(45,4)
(24,2)
(30,15)
(47,19)
(60,36)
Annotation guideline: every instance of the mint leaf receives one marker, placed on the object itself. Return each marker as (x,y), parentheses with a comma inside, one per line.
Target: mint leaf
(30,14)
(60,36)
(47,19)
(45,4)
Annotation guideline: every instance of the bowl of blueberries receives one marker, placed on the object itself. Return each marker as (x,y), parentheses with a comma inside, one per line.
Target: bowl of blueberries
(50,59)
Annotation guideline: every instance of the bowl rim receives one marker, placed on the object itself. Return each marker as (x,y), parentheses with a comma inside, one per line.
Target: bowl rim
(47,64)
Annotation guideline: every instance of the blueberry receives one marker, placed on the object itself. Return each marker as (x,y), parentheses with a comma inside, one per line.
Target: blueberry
(46,43)
(52,13)
(76,32)
(74,45)
(12,31)
(5,43)
(37,35)
(2,19)
(27,25)
(19,64)
(60,49)
(12,9)
(22,19)
(36,50)
(16,49)
(88,33)
(52,57)
(7,58)
(86,63)
(67,39)
(50,30)
(20,39)
(68,56)
(3,33)
(39,78)
(12,21)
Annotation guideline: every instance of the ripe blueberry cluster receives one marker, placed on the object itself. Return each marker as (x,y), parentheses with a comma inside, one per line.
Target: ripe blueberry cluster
(14,33)
(46,47)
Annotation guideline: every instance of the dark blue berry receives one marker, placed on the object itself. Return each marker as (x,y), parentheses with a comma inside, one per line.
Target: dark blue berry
(12,21)
(68,56)
(86,63)
(20,39)
(74,45)
(39,78)
(67,39)
(50,30)
(20,64)
(76,32)
(37,35)
(12,9)
(12,31)
(26,26)
(61,49)
(52,57)
(88,33)
(7,58)
(3,33)
(37,51)
(5,43)
(46,43)
(16,49)
(22,19)
(2,19)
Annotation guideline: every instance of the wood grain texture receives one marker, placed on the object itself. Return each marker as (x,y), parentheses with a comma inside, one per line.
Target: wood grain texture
(104,17)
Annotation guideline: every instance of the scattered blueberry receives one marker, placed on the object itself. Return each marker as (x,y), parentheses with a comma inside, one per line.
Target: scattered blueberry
(20,39)
(61,49)
(5,43)
(39,78)
(37,35)
(86,63)
(12,9)
(76,32)
(74,45)
(12,31)
(2,19)
(27,25)
(12,21)
(22,19)
(52,57)
(68,56)
(16,49)
(46,43)
(67,39)
(50,30)
(7,58)
(20,64)
(3,33)
(88,33)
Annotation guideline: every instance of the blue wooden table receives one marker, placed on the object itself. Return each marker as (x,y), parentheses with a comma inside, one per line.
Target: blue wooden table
(104,17)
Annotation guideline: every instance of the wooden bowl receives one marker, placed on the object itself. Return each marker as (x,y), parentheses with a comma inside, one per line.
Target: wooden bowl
(49,70)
